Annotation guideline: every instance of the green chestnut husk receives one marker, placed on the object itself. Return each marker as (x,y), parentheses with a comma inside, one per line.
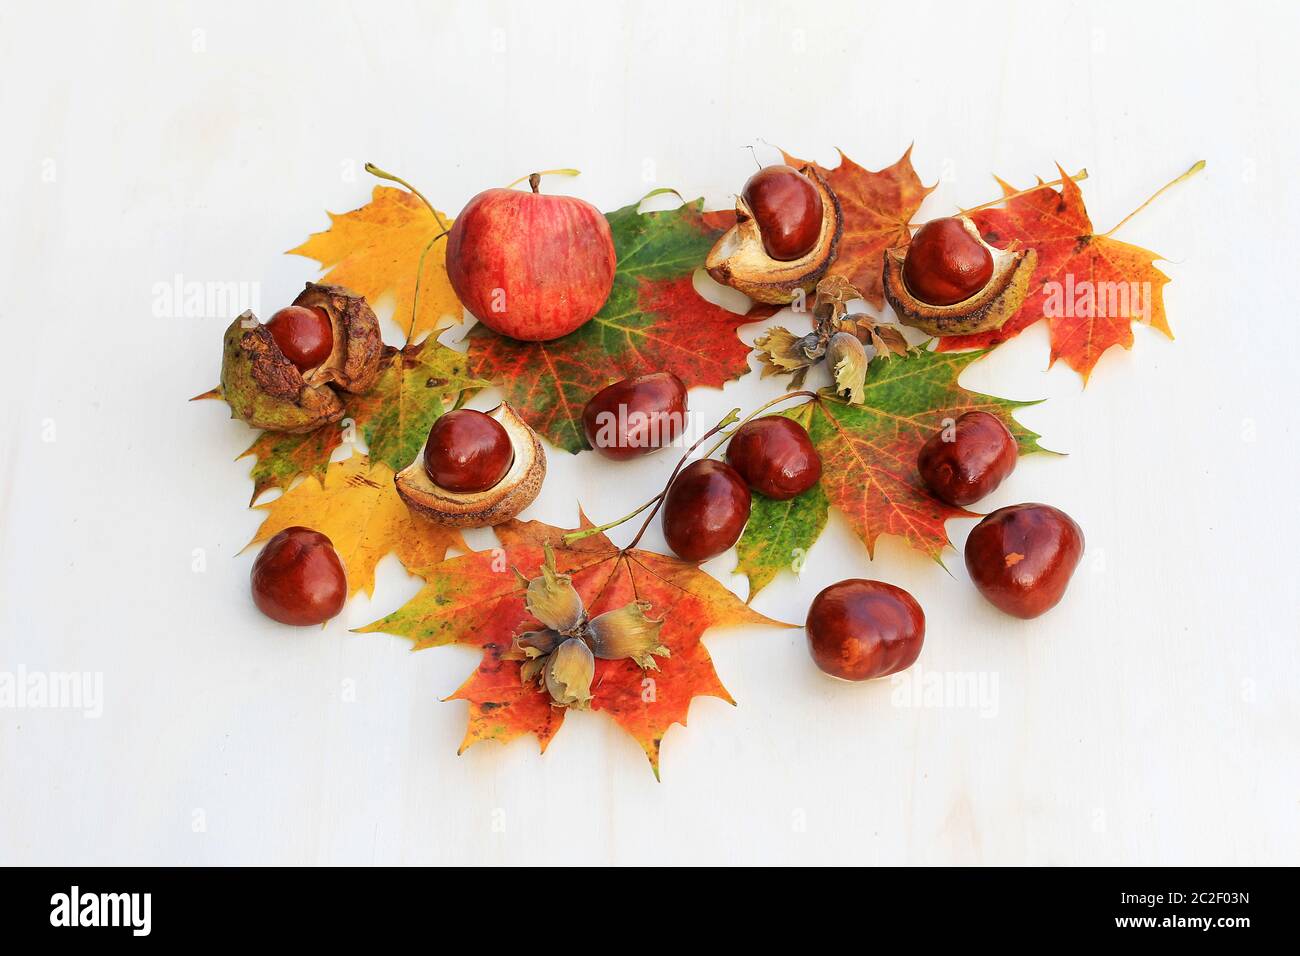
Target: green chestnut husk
(265,389)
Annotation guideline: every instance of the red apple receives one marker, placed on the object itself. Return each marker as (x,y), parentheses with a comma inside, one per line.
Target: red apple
(529,266)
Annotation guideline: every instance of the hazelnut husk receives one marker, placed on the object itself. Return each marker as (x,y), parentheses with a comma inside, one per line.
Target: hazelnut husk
(561,658)
(739,259)
(480,509)
(986,310)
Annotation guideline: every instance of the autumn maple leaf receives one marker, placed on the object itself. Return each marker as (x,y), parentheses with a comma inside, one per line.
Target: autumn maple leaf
(356,505)
(654,320)
(1090,288)
(878,209)
(391,245)
(868,453)
(478,600)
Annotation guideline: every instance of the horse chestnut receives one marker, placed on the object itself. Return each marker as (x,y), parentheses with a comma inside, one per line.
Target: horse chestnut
(1021,558)
(945,264)
(775,456)
(298,578)
(788,209)
(305,335)
(861,629)
(962,466)
(467,451)
(705,510)
(635,416)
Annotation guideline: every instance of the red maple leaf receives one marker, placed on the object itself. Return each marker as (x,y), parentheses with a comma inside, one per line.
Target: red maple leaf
(1090,288)
(878,209)
(479,599)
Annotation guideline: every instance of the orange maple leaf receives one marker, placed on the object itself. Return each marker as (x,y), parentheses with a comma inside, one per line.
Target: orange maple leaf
(478,600)
(1090,288)
(377,249)
(878,209)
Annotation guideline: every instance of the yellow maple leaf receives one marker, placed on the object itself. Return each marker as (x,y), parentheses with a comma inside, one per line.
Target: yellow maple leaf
(357,508)
(376,250)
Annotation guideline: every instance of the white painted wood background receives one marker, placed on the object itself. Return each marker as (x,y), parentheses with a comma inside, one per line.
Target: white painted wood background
(1153,717)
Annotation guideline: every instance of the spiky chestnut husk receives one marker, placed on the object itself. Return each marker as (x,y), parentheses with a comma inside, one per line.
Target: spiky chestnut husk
(265,389)
(353,364)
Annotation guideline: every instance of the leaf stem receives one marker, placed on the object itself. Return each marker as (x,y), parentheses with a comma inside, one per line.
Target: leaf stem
(1195,168)
(758,411)
(374,170)
(657,500)
(419,275)
(573,536)
(1078,177)
(730,417)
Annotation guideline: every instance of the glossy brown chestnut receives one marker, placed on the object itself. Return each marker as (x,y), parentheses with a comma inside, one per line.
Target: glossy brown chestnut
(861,629)
(787,208)
(467,451)
(968,460)
(304,335)
(635,416)
(298,578)
(945,264)
(705,510)
(1021,558)
(775,456)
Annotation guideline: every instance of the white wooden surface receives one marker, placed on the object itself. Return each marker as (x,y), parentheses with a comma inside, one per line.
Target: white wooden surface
(1151,718)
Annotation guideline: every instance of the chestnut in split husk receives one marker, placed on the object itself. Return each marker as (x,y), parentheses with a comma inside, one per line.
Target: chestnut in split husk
(1022,557)
(282,376)
(705,510)
(963,463)
(635,416)
(787,208)
(298,578)
(775,456)
(467,453)
(787,231)
(860,629)
(305,336)
(949,281)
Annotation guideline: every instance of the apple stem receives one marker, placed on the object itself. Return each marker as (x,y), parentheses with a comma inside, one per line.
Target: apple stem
(1195,168)
(534,179)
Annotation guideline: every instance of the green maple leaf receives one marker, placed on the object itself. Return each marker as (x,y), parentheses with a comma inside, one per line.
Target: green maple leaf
(653,321)
(869,451)
(868,454)
(779,533)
